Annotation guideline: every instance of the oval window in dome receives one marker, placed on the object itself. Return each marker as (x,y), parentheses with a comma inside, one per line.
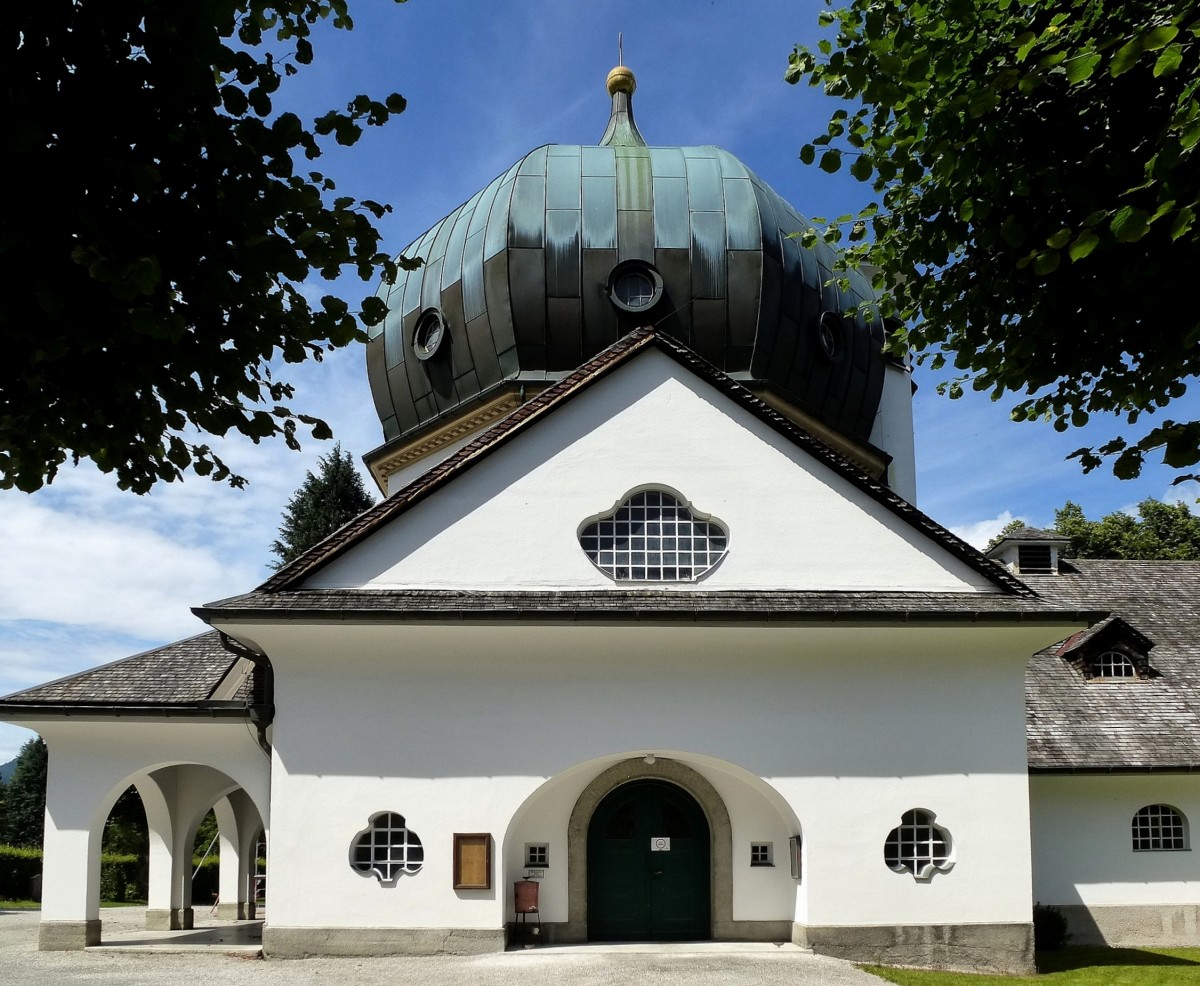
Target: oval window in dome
(829,333)
(635,286)
(429,334)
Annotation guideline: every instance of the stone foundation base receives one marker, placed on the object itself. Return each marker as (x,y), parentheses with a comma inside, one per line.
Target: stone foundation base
(575,932)
(68,936)
(993,948)
(232,912)
(300,943)
(170,919)
(1134,926)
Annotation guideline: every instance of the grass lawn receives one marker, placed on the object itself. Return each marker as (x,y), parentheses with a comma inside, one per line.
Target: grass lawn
(1076,967)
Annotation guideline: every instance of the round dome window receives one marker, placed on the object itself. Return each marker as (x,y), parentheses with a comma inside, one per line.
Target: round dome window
(429,334)
(635,286)
(829,333)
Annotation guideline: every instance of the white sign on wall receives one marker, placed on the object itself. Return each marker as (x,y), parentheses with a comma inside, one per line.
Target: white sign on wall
(659,843)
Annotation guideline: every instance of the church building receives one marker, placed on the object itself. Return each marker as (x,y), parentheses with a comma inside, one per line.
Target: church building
(647,639)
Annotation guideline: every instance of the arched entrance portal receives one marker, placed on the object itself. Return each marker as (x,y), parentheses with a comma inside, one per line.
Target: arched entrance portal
(649,862)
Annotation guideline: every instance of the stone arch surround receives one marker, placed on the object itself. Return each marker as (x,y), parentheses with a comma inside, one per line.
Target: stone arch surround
(724,927)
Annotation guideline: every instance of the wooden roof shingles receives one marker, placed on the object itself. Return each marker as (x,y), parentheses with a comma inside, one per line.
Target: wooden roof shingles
(1122,724)
(180,676)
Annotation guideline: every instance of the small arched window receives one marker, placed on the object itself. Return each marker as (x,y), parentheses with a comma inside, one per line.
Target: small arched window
(918,846)
(1113,664)
(1159,828)
(653,536)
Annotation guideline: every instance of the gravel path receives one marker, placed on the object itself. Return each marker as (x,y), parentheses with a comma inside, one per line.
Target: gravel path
(21,964)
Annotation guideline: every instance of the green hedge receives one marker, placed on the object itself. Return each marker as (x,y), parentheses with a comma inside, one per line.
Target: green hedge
(122,878)
(18,867)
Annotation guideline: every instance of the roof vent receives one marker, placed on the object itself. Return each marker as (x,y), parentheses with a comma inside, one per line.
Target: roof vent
(1035,559)
(1028,551)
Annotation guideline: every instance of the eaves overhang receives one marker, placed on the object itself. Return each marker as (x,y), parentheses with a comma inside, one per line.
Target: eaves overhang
(784,608)
(1115,769)
(101,712)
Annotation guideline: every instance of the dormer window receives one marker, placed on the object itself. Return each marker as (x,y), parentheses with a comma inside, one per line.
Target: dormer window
(1111,651)
(1112,664)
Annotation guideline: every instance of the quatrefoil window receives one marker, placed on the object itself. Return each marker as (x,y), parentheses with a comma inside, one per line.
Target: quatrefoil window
(387,848)
(918,846)
(653,536)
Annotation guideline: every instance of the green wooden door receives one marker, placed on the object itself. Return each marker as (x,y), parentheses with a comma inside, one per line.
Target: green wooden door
(648,866)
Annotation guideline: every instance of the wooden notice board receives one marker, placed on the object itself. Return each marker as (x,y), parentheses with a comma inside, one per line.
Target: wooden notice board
(472,861)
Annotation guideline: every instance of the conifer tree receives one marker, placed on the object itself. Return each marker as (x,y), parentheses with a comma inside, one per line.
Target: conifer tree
(321,505)
(25,797)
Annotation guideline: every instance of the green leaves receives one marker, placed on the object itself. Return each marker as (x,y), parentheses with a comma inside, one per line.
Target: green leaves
(1160,531)
(165,279)
(1081,67)
(1035,165)
(1084,244)
(1130,224)
(831,161)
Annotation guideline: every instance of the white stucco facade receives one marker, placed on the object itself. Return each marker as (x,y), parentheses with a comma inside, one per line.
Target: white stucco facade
(1085,862)
(461,664)
(539,711)
(511,522)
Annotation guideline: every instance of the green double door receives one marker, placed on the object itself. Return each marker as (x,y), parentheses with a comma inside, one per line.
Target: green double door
(648,866)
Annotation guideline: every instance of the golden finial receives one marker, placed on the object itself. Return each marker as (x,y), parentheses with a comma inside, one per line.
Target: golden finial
(620,79)
(621,130)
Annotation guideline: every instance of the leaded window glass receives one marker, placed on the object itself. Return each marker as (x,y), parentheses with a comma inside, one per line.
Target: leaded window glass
(917,846)
(387,848)
(654,537)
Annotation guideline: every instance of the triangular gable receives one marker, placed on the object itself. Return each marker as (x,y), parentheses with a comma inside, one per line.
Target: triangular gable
(601,368)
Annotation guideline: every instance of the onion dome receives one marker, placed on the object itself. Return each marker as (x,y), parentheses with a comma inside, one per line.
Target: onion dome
(574,246)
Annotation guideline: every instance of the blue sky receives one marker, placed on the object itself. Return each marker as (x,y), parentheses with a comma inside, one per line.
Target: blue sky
(92,574)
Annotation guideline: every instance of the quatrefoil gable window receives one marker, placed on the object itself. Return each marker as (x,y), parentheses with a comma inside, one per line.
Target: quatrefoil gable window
(918,846)
(654,536)
(387,848)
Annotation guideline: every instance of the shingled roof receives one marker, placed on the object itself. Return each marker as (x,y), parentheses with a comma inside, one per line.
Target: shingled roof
(533,410)
(196,675)
(396,605)
(1120,724)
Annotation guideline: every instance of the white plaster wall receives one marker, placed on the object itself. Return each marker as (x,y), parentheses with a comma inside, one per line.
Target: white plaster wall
(512,521)
(893,430)
(756,814)
(1083,852)
(91,763)
(456,727)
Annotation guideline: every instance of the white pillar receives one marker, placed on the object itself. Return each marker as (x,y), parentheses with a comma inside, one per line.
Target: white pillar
(70,867)
(163,887)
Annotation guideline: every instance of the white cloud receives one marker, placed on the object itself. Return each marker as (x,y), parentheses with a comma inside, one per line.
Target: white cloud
(979,533)
(1188,493)
(107,573)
